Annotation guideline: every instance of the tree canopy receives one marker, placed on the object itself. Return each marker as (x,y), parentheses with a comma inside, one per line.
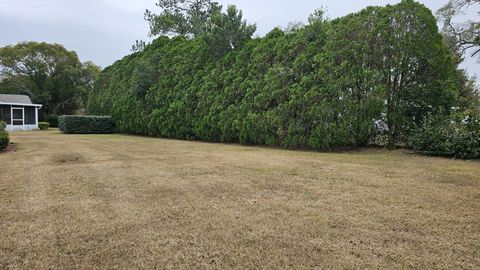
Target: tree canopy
(182,17)
(48,73)
(326,85)
(222,30)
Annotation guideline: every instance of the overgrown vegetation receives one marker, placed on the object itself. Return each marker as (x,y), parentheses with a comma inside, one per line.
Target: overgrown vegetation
(48,73)
(86,124)
(4,138)
(321,86)
(455,135)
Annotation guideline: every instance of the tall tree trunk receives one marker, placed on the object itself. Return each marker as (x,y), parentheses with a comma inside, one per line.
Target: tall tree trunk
(391,121)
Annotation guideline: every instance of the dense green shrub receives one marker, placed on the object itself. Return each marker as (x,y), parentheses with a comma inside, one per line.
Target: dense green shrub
(322,86)
(456,135)
(43,125)
(4,138)
(86,124)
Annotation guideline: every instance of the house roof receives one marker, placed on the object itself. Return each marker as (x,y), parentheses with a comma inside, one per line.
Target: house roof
(16,100)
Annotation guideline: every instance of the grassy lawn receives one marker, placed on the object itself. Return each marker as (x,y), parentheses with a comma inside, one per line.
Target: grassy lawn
(116,201)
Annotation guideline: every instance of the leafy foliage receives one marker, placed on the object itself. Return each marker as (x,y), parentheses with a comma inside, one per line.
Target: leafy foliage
(138,46)
(49,74)
(321,86)
(223,31)
(86,124)
(228,31)
(4,138)
(181,17)
(456,135)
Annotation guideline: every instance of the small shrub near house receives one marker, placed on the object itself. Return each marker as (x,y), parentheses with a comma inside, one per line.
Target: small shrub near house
(455,136)
(43,125)
(4,138)
(86,124)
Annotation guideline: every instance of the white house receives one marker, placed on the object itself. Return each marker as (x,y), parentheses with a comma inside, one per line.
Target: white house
(18,112)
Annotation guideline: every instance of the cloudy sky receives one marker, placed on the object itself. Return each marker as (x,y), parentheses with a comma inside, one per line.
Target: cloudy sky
(104,30)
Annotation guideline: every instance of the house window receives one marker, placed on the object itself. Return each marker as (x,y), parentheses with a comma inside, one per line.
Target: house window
(17,117)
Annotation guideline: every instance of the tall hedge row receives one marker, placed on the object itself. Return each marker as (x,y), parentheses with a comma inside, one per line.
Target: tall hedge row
(320,87)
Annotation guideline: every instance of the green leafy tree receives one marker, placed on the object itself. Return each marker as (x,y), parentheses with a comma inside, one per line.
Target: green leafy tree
(469,94)
(228,30)
(49,74)
(418,78)
(181,17)
(355,86)
(223,31)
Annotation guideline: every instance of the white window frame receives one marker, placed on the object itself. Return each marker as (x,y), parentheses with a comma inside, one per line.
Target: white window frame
(23,115)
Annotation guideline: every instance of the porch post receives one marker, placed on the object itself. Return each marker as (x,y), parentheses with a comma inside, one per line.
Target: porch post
(36,116)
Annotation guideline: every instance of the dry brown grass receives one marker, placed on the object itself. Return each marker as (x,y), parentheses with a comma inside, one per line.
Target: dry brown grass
(114,201)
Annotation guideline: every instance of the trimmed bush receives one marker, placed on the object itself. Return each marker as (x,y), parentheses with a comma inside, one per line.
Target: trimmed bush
(43,125)
(86,124)
(4,139)
(456,136)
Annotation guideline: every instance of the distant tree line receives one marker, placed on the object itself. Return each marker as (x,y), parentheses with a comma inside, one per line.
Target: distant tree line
(325,85)
(49,74)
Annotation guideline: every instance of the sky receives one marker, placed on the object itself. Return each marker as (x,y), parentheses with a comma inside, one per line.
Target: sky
(104,31)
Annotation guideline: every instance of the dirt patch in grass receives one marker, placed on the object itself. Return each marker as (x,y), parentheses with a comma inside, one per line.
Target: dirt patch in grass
(126,202)
(67,158)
